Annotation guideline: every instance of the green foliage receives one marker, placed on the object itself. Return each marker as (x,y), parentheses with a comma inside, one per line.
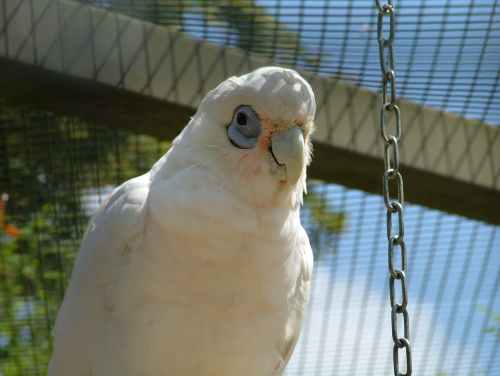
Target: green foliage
(32,275)
(321,212)
(48,166)
(494,318)
(257,30)
(323,215)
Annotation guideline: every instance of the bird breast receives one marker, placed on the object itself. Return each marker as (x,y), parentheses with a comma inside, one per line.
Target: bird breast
(221,272)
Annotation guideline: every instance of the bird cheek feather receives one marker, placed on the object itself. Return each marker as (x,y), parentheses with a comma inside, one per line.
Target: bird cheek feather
(265,137)
(248,165)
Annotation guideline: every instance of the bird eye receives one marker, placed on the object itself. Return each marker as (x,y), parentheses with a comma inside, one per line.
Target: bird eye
(245,128)
(241,118)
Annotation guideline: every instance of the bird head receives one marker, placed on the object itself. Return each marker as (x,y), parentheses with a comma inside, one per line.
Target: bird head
(256,129)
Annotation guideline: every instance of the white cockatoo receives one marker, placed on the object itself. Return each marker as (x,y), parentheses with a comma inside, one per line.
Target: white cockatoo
(201,267)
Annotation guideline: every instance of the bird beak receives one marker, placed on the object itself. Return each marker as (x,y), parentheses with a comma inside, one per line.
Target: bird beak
(287,148)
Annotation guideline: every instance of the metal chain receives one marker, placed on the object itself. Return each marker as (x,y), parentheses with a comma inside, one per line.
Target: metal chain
(393,203)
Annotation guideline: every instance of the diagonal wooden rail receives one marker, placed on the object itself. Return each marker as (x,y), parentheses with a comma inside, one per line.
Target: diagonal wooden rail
(69,58)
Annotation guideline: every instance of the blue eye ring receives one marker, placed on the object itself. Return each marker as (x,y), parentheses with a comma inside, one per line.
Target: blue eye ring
(245,128)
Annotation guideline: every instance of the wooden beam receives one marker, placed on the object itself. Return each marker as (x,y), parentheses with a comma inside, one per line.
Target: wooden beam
(112,107)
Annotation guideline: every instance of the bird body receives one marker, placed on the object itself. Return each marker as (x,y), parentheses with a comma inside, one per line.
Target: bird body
(200,266)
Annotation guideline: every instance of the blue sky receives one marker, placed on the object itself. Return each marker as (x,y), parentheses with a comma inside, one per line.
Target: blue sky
(444,58)
(447,52)
(453,272)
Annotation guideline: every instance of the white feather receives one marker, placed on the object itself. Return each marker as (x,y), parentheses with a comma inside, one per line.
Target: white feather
(200,267)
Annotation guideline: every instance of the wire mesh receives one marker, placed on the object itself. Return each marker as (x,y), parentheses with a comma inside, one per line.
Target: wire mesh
(57,170)
(448,52)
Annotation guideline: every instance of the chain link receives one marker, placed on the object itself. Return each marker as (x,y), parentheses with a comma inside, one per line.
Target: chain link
(393,202)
